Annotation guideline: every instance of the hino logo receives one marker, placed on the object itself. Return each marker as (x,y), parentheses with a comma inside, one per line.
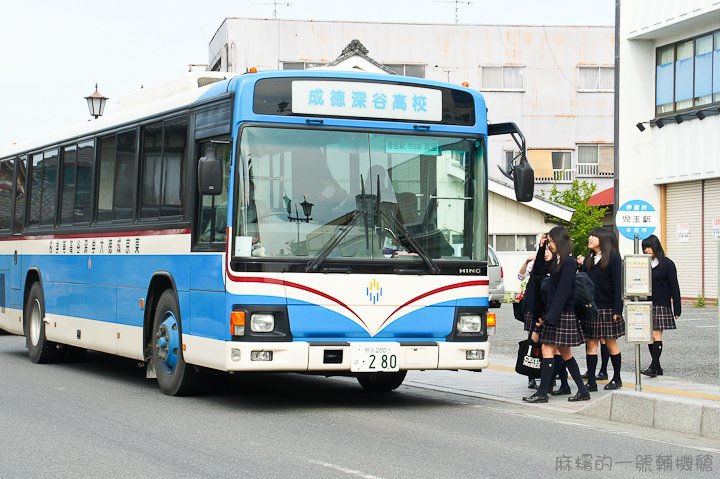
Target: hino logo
(469,270)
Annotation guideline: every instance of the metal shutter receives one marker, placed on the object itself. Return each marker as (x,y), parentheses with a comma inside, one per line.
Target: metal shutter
(683,206)
(712,211)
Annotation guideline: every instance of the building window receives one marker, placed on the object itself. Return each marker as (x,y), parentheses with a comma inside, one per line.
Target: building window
(510,159)
(301,65)
(562,166)
(595,160)
(596,78)
(502,78)
(687,74)
(521,242)
(417,71)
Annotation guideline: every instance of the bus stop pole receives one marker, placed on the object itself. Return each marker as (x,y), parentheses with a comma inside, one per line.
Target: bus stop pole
(638,381)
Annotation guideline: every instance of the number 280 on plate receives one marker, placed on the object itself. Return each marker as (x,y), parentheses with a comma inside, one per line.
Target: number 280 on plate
(375,358)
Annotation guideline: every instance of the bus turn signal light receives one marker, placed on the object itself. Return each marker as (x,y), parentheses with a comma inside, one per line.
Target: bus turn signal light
(490,320)
(237,323)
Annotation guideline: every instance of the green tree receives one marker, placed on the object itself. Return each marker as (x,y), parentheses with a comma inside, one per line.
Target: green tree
(585,217)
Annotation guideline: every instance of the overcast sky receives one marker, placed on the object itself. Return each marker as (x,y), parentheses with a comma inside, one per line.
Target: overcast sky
(52,52)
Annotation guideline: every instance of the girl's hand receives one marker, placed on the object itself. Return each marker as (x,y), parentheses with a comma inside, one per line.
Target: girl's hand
(539,322)
(617,317)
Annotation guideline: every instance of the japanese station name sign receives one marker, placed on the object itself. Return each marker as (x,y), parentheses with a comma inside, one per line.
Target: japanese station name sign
(636,217)
(366,100)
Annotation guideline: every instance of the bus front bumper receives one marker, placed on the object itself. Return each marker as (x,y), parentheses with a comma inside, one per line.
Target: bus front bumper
(301,356)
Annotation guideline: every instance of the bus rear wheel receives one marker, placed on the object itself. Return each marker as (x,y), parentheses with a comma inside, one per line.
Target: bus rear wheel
(40,349)
(381,382)
(174,377)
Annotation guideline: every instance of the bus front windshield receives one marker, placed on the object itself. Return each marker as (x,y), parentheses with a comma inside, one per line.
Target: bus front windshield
(358,195)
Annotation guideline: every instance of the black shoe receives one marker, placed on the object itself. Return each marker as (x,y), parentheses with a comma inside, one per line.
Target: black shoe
(579,397)
(536,398)
(532,384)
(659,371)
(613,385)
(649,372)
(591,387)
(562,391)
(602,376)
(585,376)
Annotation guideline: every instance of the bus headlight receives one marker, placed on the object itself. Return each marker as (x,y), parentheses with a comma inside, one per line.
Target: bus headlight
(470,323)
(262,323)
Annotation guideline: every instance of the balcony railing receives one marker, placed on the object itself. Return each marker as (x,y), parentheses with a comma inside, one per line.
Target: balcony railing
(584,170)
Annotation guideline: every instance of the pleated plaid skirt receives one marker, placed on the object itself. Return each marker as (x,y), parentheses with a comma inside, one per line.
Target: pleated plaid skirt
(663,318)
(603,326)
(530,323)
(566,332)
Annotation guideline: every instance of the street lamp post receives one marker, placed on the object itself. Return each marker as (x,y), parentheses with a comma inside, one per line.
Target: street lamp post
(96,103)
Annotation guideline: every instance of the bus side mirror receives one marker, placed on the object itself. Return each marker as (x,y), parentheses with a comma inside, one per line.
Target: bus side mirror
(524,180)
(210,174)
(520,173)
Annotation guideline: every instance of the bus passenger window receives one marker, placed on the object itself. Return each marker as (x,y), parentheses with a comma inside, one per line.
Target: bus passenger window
(6,188)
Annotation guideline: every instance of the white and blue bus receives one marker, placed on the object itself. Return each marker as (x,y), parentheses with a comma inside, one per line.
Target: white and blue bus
(322,222)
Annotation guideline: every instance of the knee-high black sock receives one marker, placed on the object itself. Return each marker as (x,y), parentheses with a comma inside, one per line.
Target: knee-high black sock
(604,355)
(656,352)
(547,369)
(574,371)
(616,363)
(560,371)
(591,365)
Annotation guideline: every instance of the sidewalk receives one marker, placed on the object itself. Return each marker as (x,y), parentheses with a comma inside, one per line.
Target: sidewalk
(664,402)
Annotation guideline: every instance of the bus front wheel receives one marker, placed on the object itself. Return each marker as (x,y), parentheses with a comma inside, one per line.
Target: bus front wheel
(174,377)
(40,349)
(381,382)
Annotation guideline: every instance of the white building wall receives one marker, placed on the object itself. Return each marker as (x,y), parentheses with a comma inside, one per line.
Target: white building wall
(686,153)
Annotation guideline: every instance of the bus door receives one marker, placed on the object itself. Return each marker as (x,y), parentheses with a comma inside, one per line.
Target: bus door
(14,290)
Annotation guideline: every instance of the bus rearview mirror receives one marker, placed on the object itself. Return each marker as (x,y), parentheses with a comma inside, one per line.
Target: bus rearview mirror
(210,175)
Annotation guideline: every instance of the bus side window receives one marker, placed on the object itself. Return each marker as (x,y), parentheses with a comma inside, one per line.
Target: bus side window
(6,189)
(20,184)
(212,214)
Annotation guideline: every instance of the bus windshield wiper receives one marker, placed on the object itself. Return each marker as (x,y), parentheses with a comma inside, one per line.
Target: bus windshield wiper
(407,237)
(328,248)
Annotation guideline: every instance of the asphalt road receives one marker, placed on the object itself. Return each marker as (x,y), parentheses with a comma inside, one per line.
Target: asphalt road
(689,352)
(102,418)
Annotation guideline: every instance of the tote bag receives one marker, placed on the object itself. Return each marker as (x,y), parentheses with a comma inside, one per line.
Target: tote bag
(529,359)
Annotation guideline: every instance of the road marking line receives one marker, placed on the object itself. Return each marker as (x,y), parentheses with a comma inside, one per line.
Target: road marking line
(655,389)
(343,469)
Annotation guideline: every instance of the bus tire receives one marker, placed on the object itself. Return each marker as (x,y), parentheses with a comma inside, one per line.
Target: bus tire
(381,382)
(174,377)
(39,348)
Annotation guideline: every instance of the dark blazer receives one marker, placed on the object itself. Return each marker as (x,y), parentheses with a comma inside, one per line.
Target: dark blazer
(561,294)
(608,283)
(531,300)
(665,286)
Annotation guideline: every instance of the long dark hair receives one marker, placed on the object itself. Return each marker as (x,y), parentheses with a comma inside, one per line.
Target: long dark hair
(563,243)
(608,245)
(653,243)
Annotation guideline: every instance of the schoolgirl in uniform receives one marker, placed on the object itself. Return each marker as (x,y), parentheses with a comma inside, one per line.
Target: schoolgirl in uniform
(665,290)
(560,327)
(604,266)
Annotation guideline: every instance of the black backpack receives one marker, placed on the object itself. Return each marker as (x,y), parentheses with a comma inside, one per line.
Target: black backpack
(585,307)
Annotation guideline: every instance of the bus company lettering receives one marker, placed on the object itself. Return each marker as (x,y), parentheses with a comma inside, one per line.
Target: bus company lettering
(109,246)
(469,270)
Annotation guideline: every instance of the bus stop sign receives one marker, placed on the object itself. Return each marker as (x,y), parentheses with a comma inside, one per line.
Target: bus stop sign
(636,217)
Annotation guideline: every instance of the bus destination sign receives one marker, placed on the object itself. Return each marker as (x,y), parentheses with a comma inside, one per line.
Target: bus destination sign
(367,100)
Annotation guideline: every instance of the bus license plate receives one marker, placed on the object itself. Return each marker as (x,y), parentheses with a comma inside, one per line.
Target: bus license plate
(375,358)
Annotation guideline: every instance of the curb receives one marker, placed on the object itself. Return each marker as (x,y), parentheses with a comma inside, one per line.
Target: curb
(653,410)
